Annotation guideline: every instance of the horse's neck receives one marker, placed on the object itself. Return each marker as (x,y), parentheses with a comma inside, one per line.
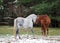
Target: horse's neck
(29,17)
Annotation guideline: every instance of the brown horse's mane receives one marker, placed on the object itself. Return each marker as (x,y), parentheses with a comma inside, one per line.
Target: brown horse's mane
(42,15)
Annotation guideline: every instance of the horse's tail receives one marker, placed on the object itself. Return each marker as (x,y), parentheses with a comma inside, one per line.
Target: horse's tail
(14,30)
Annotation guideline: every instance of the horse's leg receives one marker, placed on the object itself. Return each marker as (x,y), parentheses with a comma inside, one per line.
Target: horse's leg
(17,34)
(18,27)
(47,31)
(47,28)
(44,30)
(33,33)
(27,32)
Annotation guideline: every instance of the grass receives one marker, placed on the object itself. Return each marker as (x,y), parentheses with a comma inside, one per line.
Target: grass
(37,30)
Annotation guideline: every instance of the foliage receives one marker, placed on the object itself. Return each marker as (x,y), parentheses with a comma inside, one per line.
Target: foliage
(25,1)
(41,8)
(51,8)
(1,4)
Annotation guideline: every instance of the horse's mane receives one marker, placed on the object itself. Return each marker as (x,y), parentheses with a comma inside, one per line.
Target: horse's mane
(30,15)
(44,15)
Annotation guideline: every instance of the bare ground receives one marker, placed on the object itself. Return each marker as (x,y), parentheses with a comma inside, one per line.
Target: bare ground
(24,39)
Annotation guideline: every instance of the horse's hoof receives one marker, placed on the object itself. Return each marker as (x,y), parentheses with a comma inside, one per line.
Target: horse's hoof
(20,38)
(34,38)
(8,41)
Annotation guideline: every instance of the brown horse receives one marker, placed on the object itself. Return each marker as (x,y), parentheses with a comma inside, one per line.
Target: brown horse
(45,21)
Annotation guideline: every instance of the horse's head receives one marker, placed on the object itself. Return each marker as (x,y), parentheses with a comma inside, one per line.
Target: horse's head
(33,17)
(37,20)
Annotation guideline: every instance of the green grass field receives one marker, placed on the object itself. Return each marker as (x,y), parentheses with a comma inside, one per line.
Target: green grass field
(37,30)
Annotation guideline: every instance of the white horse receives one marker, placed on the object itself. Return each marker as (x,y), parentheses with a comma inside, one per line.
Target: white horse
(26,23)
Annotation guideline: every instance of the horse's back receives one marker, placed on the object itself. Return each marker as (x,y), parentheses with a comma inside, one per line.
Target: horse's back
(24,22)
(43,19)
